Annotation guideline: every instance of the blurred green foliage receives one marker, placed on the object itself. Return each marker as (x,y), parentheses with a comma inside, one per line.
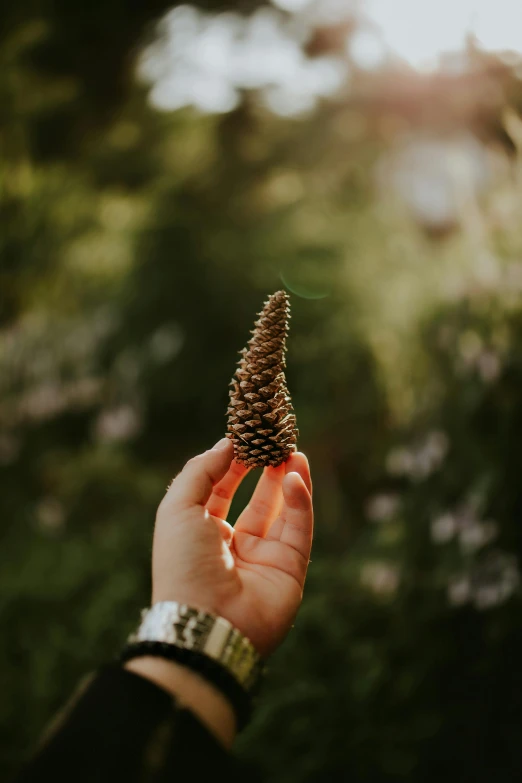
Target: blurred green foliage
(135,249)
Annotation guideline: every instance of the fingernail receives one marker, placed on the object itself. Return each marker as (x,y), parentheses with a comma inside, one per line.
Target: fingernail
(221,445)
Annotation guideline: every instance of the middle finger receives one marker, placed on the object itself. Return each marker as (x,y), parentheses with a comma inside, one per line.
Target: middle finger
(264,504)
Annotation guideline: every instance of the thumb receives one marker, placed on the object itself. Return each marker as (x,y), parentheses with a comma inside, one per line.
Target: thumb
(193,486)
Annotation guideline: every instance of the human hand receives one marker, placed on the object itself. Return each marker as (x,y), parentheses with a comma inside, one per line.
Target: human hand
(252,574)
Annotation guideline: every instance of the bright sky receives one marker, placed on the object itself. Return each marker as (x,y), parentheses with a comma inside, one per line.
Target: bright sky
(419,30)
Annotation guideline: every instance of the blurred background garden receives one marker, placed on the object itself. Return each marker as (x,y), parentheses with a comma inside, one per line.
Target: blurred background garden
(165,168)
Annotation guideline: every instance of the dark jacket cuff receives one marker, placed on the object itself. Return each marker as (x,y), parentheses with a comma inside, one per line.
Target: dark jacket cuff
(122,727)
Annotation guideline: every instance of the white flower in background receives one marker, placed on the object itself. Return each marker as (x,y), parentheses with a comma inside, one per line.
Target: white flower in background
(459,591)
(489,366)
(476,535)
(382,508)
(475,356)
(421,460)
(495,580)
(118,423)
(464,523)
(166,343)
(443,528)
(488,583)
(400,462)
(380,577)
(44,401)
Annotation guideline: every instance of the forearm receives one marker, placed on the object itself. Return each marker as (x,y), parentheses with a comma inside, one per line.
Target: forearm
(192,692)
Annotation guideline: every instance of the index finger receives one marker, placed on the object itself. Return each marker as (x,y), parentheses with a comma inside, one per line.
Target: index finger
(223,493)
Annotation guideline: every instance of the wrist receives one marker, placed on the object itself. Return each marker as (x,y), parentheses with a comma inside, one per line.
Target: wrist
(195,693)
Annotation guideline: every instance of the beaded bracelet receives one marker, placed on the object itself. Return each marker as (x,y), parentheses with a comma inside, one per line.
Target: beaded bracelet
(203,665)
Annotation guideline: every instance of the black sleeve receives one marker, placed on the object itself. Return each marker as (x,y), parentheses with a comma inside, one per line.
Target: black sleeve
(122,727)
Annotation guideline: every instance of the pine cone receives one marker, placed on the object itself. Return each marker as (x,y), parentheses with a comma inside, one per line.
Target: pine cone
(261,422)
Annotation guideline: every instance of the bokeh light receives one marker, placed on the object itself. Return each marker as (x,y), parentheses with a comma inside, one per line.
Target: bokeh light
(419,32)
